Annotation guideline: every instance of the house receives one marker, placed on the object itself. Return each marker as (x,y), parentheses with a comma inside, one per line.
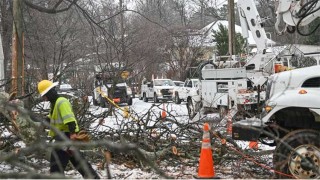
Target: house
(204,38)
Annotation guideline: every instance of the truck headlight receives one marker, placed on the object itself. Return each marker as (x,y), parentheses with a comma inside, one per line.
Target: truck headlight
(269,106)
(159,91)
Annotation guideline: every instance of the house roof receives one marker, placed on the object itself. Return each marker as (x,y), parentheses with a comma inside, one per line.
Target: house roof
(207,32)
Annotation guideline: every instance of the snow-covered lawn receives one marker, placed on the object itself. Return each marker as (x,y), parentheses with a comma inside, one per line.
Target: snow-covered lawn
(125,170)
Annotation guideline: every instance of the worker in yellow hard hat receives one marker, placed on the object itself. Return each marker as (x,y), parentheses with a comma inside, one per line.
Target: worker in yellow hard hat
(62,118)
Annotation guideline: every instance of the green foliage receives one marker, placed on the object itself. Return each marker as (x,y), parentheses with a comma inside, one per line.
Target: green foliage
(221,38)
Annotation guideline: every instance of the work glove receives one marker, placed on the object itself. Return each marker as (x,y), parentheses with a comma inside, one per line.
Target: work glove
(80,136)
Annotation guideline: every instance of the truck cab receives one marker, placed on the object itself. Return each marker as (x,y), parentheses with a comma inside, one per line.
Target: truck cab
(106,90)
(290,121)
(158,90)
(189,89)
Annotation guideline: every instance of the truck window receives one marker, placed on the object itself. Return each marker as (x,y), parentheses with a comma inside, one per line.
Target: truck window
(312,83)
(163,82)
(185,84)
(189,84)
(222,87)
(195,83)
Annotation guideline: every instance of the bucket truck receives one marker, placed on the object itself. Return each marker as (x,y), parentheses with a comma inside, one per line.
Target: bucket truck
(240,89)
(296,13)
(291,116)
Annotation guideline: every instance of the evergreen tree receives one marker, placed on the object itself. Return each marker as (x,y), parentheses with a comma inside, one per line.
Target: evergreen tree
(221,39)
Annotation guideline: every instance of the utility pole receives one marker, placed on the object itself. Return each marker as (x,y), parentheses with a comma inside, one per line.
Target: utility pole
(231,28)
(2,68)
(122,31)
(17,85)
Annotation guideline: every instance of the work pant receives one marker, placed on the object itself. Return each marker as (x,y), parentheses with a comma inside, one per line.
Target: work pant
(60,158)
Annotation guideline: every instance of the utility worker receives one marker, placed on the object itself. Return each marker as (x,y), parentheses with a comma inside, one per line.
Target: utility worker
(62,118)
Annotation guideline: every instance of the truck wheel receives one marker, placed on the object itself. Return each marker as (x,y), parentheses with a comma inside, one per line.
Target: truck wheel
(177,100)
(145,99)
(130,101)
(155,99)
(298,155)
(191,110)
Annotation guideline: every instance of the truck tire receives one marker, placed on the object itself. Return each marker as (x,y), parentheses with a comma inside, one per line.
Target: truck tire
(191,109)
(177,100)
(155,98)
(286,160)
(145,99)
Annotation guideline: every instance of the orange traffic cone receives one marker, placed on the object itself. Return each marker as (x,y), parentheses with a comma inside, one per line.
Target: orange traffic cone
(206,164)
(253,145)
(163,112)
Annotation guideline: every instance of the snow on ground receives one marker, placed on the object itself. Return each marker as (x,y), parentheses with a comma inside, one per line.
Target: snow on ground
(138,109)
(179,111)
(124,171)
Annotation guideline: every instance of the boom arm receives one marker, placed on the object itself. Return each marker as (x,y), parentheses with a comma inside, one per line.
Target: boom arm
(249,17)
(297,13)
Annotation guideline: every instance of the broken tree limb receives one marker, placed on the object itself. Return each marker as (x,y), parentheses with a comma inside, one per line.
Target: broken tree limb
(24,127)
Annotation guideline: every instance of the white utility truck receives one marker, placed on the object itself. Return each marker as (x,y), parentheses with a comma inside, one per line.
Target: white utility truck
(291,116)
(114,88)
(187,92)
(230,88)
(157,89)
(229,84)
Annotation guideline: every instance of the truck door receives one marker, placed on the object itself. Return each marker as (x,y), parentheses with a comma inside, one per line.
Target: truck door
(208,91)
(185,89)
(221,97)
(150,91)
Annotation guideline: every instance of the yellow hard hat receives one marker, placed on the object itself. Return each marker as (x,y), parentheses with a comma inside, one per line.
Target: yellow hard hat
(45,85)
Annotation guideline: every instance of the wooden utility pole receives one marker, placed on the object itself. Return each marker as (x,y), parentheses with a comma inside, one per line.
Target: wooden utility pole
(122,31)
(231,28)
(2,67)
(17,85)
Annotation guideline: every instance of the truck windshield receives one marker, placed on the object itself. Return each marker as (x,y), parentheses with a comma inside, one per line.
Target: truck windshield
(163,82)
(195,83)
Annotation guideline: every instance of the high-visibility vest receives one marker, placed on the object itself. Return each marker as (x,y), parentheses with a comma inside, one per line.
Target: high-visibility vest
(61,115)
